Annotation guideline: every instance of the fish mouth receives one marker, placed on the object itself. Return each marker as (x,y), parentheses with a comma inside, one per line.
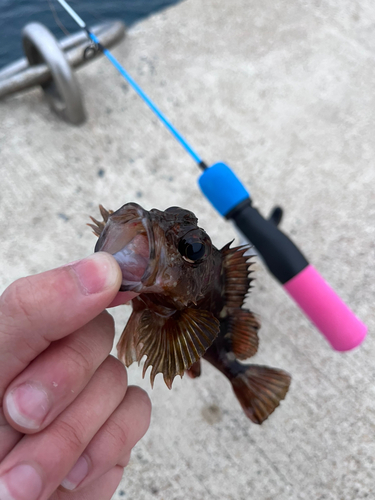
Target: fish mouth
(128,236)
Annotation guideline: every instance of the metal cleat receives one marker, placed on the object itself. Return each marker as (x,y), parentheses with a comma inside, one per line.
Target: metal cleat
(50,63)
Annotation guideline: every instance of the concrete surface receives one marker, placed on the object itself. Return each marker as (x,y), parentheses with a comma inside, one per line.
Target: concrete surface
(282,91)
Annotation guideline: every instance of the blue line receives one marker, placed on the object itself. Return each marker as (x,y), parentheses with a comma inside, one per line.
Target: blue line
(147,100)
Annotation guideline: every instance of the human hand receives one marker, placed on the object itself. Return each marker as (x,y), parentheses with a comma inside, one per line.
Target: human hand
(67,415)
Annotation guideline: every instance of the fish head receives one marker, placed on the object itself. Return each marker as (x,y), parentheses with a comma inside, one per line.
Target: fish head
(159,252)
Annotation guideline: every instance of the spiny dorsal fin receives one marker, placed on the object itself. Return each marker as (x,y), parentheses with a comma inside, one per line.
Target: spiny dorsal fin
(105,213)
(237,281)
(242,330)
(259,390)
(172,344)
(98,226)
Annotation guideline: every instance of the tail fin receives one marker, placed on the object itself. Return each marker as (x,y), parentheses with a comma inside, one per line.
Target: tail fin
(260,389)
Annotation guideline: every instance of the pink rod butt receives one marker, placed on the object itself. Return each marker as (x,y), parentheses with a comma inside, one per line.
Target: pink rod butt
(326,310)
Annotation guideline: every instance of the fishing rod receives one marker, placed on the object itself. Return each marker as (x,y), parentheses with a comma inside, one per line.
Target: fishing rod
(281,256)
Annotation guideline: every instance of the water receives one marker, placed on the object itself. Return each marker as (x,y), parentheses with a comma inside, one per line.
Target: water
(14,14)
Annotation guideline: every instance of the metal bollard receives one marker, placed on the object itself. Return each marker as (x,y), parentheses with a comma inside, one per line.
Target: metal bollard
(50,64)
(62,91)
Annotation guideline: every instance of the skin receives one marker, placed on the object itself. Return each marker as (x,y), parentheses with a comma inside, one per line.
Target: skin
(64,400)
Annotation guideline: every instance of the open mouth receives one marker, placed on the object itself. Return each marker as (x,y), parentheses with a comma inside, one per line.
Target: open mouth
(133,259)
(128,237)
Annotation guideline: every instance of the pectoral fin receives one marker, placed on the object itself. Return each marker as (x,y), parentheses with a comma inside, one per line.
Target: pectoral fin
(195,370)
(243,329)
(171,343)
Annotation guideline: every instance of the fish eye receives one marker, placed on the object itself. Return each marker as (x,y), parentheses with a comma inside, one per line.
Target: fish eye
(192,248)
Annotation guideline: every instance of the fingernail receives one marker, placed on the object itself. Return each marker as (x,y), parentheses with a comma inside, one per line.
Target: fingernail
(21,483)
(28,406)
(76,475)
(97,272)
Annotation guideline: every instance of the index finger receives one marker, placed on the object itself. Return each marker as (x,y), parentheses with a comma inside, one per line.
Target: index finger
(37,310)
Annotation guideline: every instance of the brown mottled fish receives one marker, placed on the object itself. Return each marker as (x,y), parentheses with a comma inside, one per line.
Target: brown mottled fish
(189,304)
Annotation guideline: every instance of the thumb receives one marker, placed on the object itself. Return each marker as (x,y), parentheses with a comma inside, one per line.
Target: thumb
(40,309)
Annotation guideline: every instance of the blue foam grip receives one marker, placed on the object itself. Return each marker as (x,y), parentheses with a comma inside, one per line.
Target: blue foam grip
(222,188)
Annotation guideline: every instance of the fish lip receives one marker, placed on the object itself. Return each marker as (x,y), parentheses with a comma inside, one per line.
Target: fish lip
(149,272)
(119,222)
(144,217)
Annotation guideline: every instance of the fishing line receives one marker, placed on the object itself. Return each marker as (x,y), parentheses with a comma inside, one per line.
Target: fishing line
(135,86)
(57,19)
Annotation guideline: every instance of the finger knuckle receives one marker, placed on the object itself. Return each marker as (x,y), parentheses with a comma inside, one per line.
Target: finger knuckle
(125,461)
(108,323)
(104,328)
(143,399)
(70,434)
(79,355)
(118,433)
(20,298)
(116,370)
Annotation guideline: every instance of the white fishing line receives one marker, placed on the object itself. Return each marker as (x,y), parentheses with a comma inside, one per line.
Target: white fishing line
(74,14)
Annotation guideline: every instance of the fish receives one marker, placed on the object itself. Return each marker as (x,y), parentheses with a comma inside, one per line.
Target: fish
(190,303)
